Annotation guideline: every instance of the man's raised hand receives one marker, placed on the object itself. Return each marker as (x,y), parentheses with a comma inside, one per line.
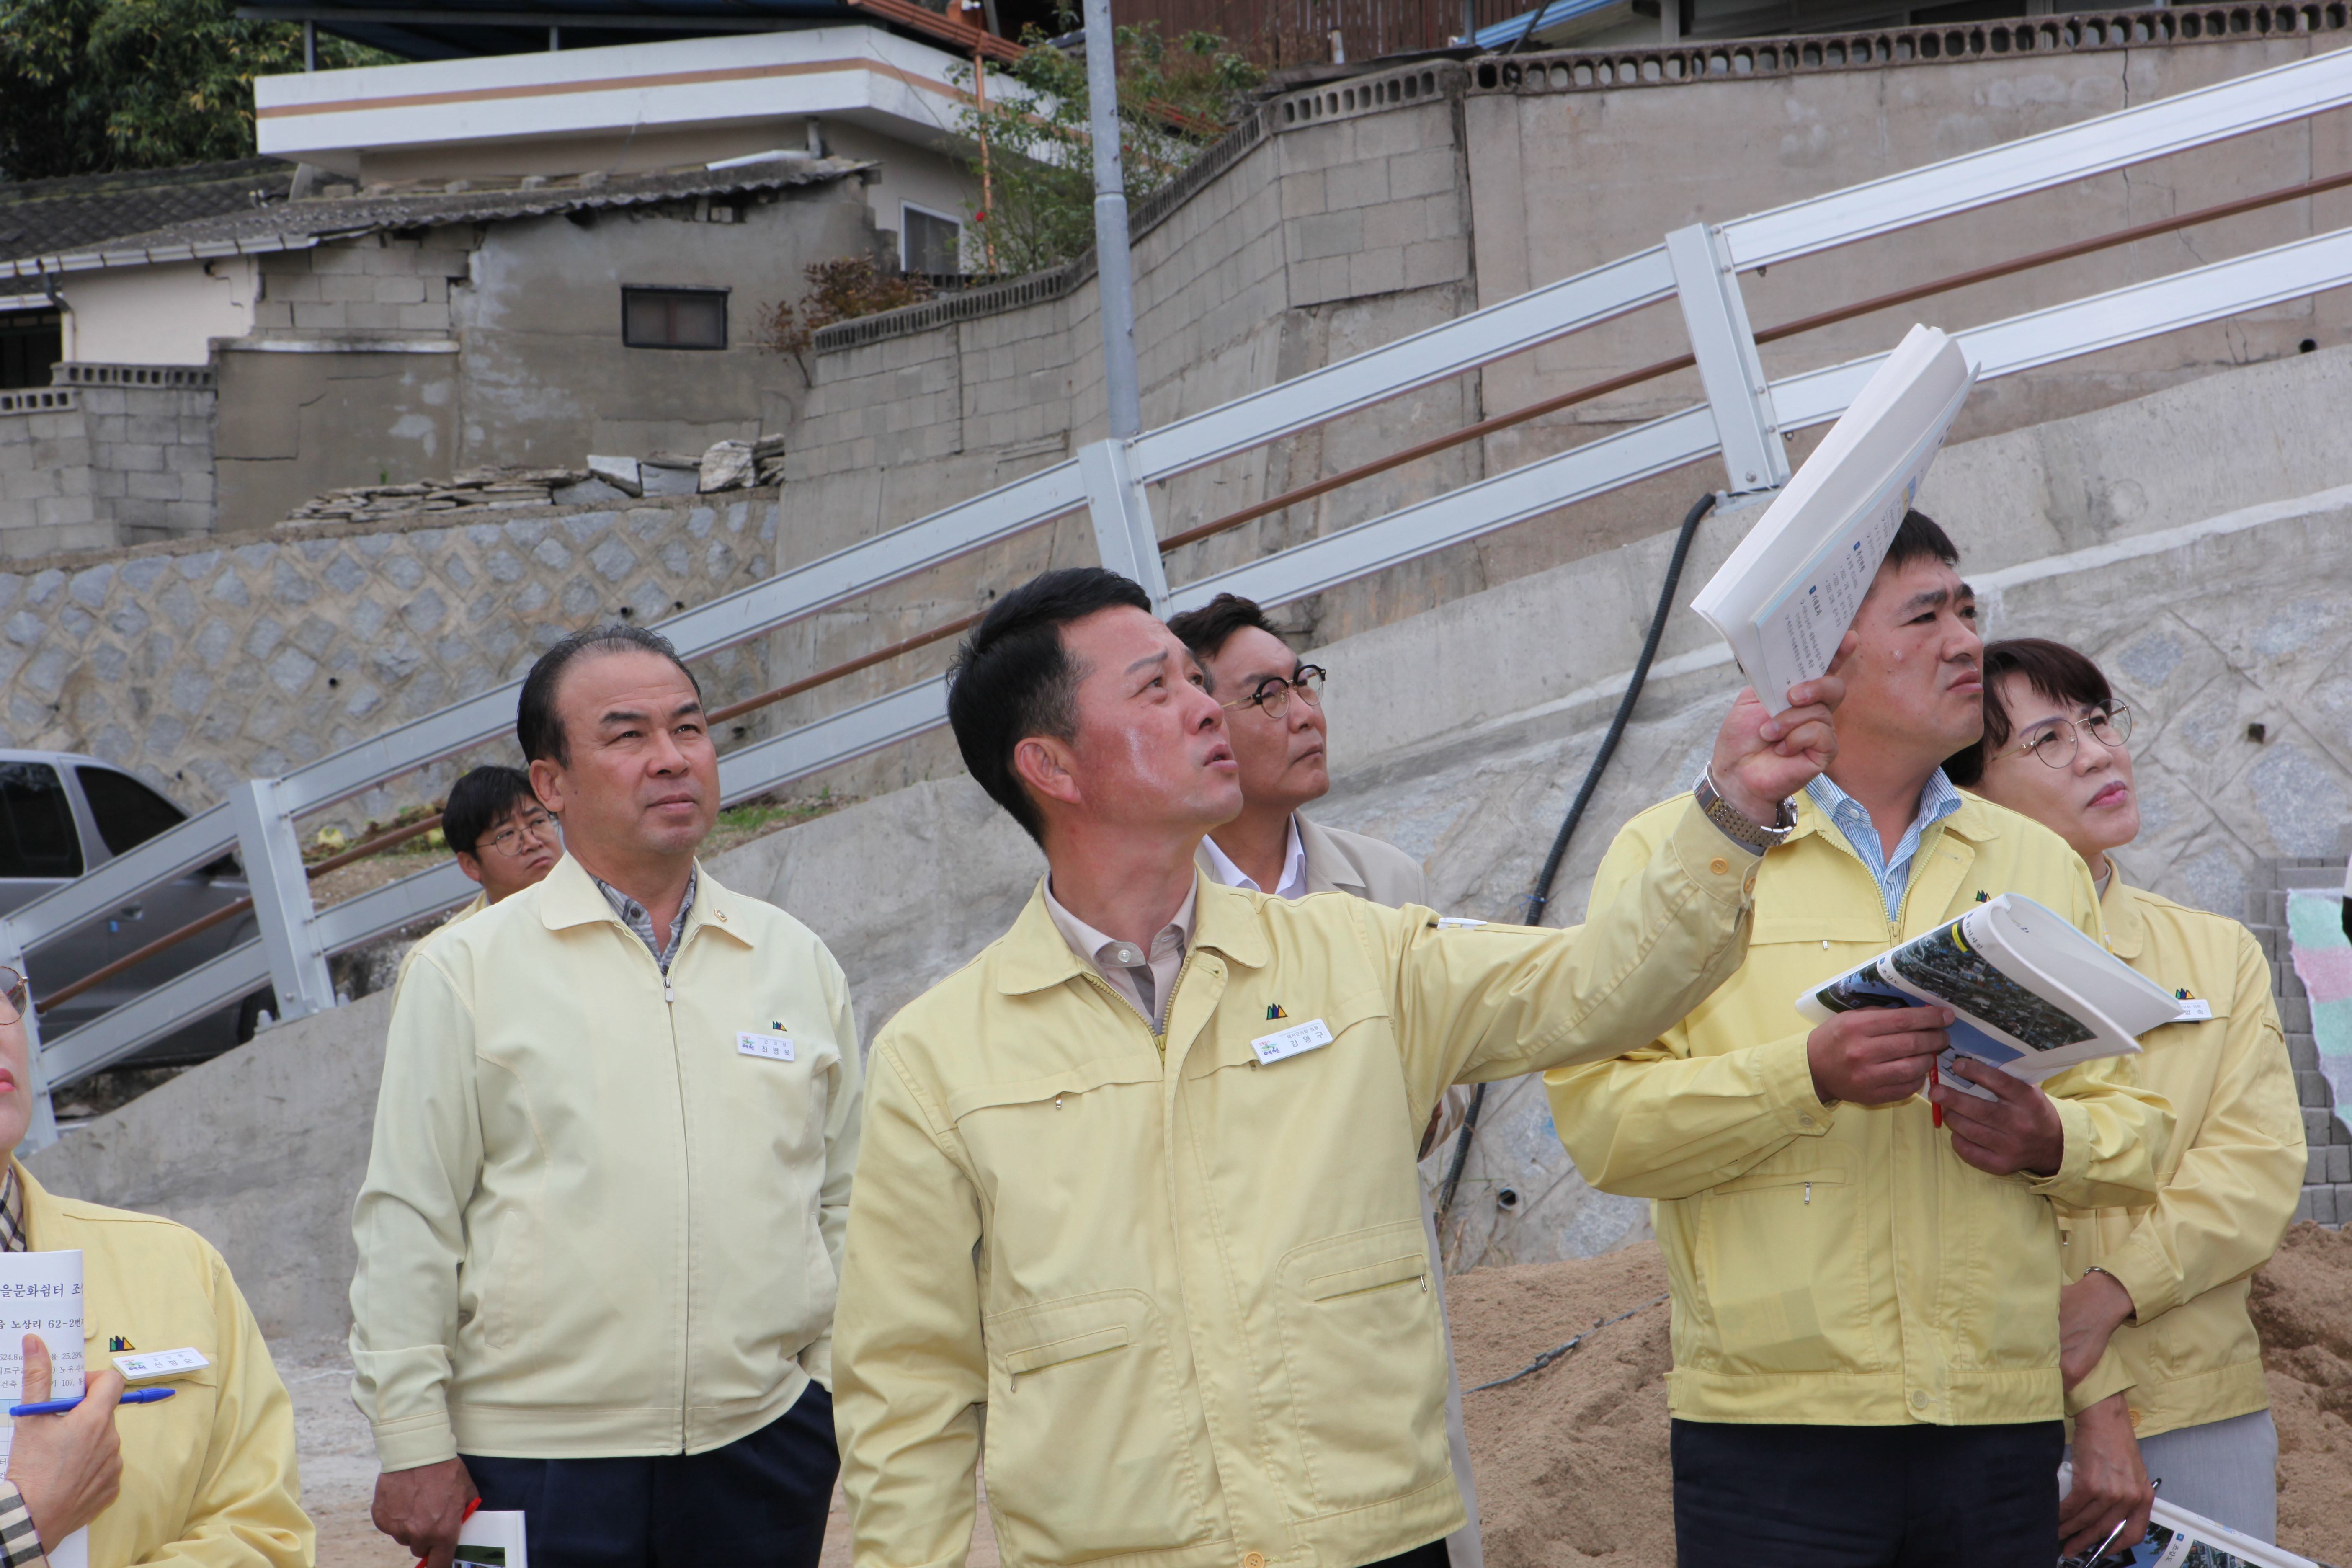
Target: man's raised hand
(1762,759)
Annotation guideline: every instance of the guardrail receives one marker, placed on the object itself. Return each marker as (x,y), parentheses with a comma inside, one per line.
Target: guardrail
(1744,418)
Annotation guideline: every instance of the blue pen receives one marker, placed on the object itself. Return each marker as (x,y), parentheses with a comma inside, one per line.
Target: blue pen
(60,1406)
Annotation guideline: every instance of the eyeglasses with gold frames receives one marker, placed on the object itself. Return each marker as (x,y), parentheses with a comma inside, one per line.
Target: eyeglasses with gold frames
(1273,694)
(2056,740)
(538,824)
(15,997)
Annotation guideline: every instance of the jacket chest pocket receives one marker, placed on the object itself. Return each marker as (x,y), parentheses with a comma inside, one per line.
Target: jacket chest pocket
(1363,1356)
(1092,1449)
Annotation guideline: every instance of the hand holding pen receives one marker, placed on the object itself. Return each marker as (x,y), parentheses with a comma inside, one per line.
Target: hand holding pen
(67,1466)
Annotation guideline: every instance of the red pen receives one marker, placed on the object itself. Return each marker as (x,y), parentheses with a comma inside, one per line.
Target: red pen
(1935,1080)
(471,1504)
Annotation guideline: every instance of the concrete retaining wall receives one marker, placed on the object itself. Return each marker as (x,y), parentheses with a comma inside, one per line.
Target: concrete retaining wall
(195,665)
(2221,597)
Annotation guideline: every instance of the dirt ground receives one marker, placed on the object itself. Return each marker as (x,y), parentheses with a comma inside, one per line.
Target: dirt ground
(1572,1466)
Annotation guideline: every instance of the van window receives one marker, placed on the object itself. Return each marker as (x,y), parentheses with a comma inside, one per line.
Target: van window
(38,838)
(128,812)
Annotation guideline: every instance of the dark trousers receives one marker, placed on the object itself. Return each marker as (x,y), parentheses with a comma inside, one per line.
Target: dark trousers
(1430,1556)
(1866,1496)
(759,1502)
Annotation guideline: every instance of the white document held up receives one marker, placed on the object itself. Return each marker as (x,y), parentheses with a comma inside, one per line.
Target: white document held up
(2034,995)
(1785,597)
(492,1541)
(40,1293)
(2178,1539)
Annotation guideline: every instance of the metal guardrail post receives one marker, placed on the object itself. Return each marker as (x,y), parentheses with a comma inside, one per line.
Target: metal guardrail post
(1754,455)
(1122,518)
(281,900)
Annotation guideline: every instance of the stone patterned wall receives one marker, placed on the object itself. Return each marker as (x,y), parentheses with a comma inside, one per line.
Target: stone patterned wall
(196,665)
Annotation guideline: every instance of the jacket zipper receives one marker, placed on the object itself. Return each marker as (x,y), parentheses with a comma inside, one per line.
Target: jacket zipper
(685,1327)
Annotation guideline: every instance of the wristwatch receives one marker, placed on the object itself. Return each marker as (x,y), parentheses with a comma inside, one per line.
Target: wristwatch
(1734,823)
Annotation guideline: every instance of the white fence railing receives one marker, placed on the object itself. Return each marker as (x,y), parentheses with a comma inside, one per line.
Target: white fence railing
(1743,418)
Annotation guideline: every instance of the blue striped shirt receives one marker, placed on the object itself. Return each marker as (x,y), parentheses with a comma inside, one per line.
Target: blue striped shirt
(1938,800)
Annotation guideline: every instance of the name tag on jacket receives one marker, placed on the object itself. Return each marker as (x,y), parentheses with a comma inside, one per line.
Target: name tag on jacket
(1313,1035)
(775,1047)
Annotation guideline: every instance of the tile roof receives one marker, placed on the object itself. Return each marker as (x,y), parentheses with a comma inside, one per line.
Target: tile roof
(40,217)
(286,225)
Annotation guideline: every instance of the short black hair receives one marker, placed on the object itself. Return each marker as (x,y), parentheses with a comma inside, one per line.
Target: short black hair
(478,800)
(536,724)
(2058,672)
(1207,630)
(1013,679)
(1919,537)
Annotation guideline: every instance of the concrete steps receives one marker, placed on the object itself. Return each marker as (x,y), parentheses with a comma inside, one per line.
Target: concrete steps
(2327,1180)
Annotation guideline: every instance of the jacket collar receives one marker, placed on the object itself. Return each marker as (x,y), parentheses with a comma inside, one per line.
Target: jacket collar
(1329,869)
(40,1209)
(1033,955)
(569,897)
(1972,820)
(2119,907)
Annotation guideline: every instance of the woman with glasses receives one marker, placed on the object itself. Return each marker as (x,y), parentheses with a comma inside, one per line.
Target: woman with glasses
(2163,1364)
(205,1478)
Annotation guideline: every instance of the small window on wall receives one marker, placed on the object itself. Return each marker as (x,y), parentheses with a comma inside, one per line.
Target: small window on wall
(930,244)
(30,343)
(674,318)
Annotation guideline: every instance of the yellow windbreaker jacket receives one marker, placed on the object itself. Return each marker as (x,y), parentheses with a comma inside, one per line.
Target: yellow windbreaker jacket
(2229,1179)
(1190,1291)
(208,1476)
(1838,1264)
(594,1221)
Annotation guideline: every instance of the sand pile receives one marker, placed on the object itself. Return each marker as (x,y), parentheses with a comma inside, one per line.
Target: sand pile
(1572,1465)
(2303,1307)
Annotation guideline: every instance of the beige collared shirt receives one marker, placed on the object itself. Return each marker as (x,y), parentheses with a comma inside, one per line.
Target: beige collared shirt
(1146,980)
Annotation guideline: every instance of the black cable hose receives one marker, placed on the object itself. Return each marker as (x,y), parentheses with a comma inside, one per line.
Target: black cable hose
(1542,897)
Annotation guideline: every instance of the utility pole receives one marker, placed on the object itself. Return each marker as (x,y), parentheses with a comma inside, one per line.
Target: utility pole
(1114,264)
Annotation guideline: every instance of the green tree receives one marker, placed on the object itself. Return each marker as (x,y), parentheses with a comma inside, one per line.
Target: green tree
(90,86)
(1174,99)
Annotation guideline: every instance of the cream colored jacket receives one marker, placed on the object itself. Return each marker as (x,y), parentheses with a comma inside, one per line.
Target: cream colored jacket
(1838,1264)
(208,1475)
(2230,1178)
(1190,1293)
(591,1224)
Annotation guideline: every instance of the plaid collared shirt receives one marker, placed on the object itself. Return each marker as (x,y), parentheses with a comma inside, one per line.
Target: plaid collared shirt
(20,1544)
(635,916)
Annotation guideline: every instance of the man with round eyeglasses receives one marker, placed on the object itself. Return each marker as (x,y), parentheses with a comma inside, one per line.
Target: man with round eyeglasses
(503,838)
(1274,716)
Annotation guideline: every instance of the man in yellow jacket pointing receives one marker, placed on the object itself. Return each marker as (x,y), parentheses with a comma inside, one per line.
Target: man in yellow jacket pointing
(1865,1299)
(1136,1202)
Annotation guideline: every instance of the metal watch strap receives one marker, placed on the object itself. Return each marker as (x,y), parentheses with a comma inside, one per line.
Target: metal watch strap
(1735,825)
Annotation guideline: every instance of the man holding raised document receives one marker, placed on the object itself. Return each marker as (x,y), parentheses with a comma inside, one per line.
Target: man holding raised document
(1865,1265)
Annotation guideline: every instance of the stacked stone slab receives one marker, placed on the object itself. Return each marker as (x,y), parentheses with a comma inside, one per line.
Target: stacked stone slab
(2327,1181)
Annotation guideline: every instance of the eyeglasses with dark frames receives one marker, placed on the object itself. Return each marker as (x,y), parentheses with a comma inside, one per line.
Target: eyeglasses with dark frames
(1273,694)
(2055,741)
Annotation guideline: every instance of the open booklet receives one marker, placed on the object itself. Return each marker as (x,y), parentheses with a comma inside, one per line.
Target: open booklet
(1785,597)
(2176,1538)
(2034,995)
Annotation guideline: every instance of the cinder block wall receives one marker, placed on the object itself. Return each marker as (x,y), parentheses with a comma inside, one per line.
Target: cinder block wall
(109,455)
